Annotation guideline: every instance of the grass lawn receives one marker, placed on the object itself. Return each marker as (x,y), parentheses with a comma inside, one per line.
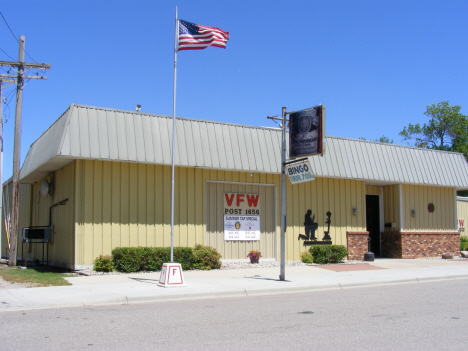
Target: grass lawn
(37,276)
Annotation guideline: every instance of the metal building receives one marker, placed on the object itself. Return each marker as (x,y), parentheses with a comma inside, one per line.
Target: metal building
(113,168)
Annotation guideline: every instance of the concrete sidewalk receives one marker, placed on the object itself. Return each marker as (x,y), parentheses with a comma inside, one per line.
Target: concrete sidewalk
(134,288)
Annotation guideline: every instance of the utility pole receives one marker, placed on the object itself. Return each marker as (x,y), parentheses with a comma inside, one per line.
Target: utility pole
(19,66)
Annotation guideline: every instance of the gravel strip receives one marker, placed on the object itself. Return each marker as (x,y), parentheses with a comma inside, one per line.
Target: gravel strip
(228,265)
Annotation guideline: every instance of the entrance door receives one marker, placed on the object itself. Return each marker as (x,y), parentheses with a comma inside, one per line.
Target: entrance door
(373,222)
(215,220)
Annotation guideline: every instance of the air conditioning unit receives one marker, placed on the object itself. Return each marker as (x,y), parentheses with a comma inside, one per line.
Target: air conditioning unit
(37,234)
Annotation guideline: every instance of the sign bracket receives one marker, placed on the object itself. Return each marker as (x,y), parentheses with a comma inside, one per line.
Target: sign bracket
(296,161)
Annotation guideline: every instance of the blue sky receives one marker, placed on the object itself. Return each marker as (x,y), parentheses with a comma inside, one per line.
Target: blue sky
(376,65)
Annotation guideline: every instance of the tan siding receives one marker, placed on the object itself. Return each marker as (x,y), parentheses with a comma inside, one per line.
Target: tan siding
(133,205)
(127,204)
(79,212)
(115,204)
(89,242)
(462,213)
(373,190)
(335,195)
(107,207)
(159,206)
(62,245)
(141,205)
(390,200)
(418,197)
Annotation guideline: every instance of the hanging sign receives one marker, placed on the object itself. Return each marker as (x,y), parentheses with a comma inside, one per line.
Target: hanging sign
(241,216)
(306,132)
(299,172)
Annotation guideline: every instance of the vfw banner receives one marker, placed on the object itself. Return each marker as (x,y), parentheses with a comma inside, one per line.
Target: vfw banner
(241,216)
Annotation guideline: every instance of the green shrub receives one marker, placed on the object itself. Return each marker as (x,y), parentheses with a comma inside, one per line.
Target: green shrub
(463,243)
(154,257)
(103,264)
(184,256)
(205,257)
(127,259)
(134,259)
(307,257)
(324,254)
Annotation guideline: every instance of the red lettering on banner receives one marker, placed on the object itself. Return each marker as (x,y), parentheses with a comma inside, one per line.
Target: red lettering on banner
(252,200)
(461,222)
(240,198)
(229,200)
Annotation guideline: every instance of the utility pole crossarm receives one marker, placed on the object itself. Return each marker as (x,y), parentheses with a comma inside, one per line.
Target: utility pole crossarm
(26,64)
(25,77)
(7,80)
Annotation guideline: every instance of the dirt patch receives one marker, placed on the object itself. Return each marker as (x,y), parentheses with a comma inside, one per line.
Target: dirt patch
(11,285)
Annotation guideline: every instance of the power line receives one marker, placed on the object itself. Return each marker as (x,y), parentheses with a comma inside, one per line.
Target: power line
(6,54)
(14,36)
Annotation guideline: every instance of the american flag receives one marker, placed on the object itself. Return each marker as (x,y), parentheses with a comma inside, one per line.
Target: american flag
(196,37)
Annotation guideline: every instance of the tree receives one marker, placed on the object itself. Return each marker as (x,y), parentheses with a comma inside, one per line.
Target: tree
(447,129)
(382,139)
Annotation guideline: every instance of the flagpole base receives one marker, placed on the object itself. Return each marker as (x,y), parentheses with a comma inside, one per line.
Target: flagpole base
(171,276)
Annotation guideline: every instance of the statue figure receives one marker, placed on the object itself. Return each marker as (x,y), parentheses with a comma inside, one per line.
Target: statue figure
(310,226)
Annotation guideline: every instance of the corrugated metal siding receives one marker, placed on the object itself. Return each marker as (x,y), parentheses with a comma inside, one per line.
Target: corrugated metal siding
(373,190)
(418,198)
(61,247)
(46,147)
(126,204)
(101,134)
(338,196)
(462,213)
(391,213)
(215,220)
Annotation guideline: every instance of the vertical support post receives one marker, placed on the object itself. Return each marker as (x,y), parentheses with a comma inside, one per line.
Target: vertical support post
(176,40)
(283,196)
(1,156)
(16,156)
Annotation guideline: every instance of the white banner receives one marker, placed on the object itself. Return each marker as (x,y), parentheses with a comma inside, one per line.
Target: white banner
(241,228)
(300,172)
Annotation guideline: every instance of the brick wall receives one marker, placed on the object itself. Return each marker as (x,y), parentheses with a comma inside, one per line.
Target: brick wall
(419,244)
(391,245)
(357,245)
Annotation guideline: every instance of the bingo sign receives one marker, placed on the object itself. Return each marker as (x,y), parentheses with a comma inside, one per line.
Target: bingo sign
(299,172)
(241,217)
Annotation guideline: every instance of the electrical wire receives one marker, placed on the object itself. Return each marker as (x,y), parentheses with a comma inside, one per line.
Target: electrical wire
(14,36)
(8,96)
(7,54)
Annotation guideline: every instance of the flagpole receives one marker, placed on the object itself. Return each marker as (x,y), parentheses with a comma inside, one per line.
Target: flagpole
(173,133)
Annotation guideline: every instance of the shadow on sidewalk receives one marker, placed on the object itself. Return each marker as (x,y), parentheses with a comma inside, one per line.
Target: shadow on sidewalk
(258,277)
(143,280)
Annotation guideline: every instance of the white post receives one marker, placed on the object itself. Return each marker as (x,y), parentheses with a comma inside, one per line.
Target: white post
(176,43)
(1,158)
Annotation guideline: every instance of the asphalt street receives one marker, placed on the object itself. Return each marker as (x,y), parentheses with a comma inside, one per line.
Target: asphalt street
(423,316)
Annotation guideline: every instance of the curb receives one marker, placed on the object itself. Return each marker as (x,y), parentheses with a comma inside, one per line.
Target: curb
(232,292)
